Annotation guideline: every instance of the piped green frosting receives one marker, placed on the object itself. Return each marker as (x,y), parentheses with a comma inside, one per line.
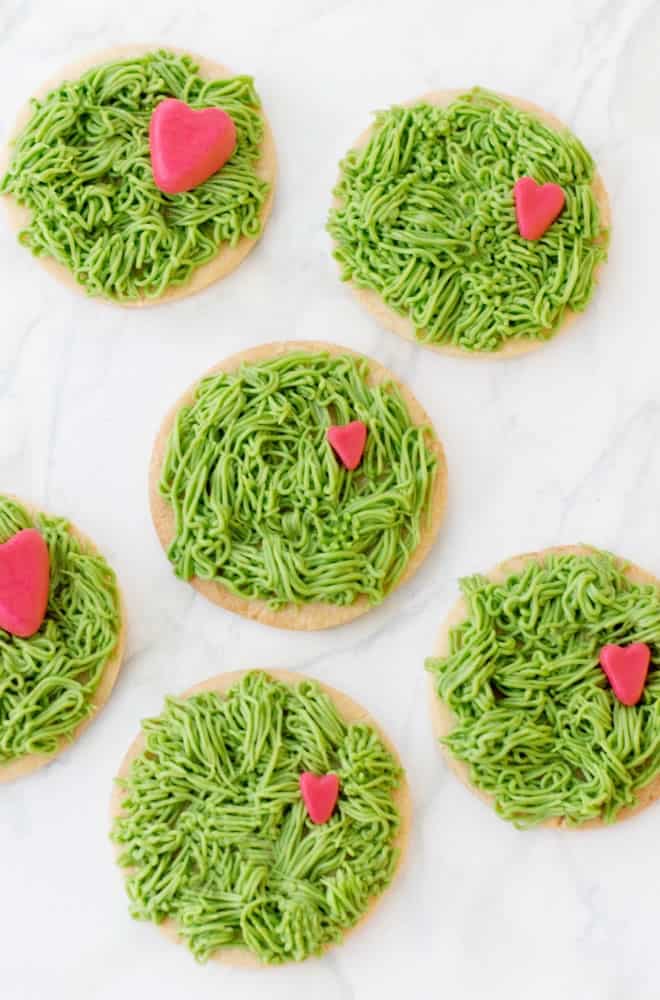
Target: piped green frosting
(260,500)
(47,681)
(426,219)
(215,834)
(536,721)
(82,167)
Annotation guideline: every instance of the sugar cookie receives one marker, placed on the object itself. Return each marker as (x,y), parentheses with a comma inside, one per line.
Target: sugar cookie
(53,682)
(426,232)
(255,507)
(215,835)
(521,699)
(80,185)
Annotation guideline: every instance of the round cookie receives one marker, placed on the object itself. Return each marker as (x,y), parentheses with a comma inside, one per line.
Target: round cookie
(313,614)
(48,640)
(607,570)
(228,257)
(398,321)
(352,714)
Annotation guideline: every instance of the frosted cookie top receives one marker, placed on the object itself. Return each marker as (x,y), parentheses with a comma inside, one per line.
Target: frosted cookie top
(81,170)
(218,833)
(52,681)
(531,685)
(250,494)
(425,225)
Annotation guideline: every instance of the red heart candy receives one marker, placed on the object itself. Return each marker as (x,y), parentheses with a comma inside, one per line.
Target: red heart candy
(348,441)
(626,668)
(537,206)
(188,145)
(319,794)
(24,582)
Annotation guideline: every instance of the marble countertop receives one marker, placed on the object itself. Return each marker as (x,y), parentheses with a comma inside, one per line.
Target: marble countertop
(557,447)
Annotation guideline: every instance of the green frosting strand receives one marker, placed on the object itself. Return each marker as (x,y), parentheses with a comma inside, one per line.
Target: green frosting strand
(215,834)
(263,506)
(82,167)
(537,723)
(47,681)
(426,219)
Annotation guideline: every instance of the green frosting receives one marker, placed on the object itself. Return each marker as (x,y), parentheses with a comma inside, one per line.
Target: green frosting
(262,504)
(48,680)
(536,721)
(215,833)
(426,219)
(82,167)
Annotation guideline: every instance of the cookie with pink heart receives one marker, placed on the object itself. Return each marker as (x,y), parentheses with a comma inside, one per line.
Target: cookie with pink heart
(332,480)
(546,689)
(289,795)
(61,636)
(470,222)
(184,157)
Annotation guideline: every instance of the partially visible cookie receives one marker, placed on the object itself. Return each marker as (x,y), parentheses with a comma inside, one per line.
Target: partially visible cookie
(258,512)
(527,715)
(240,871)
(55,680)
(113,233)
(425,232)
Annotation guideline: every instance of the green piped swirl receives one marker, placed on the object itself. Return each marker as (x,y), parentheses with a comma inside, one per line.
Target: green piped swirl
(82,167)
(426,219)
(536,721)
(47,681)
(215,833)
(263,506)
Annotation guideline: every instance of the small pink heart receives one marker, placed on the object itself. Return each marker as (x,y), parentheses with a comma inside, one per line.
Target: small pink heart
(626,668)
(348,440)
(24,582)
(188,145)
(537,206)
(319,794)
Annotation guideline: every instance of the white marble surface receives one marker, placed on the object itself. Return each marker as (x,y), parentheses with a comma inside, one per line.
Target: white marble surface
(561,446)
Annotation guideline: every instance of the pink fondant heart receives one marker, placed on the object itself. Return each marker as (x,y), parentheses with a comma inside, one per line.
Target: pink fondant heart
(319,795)
(537,206)
(24,581)
(626,668)
(348,441)
(188,145)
